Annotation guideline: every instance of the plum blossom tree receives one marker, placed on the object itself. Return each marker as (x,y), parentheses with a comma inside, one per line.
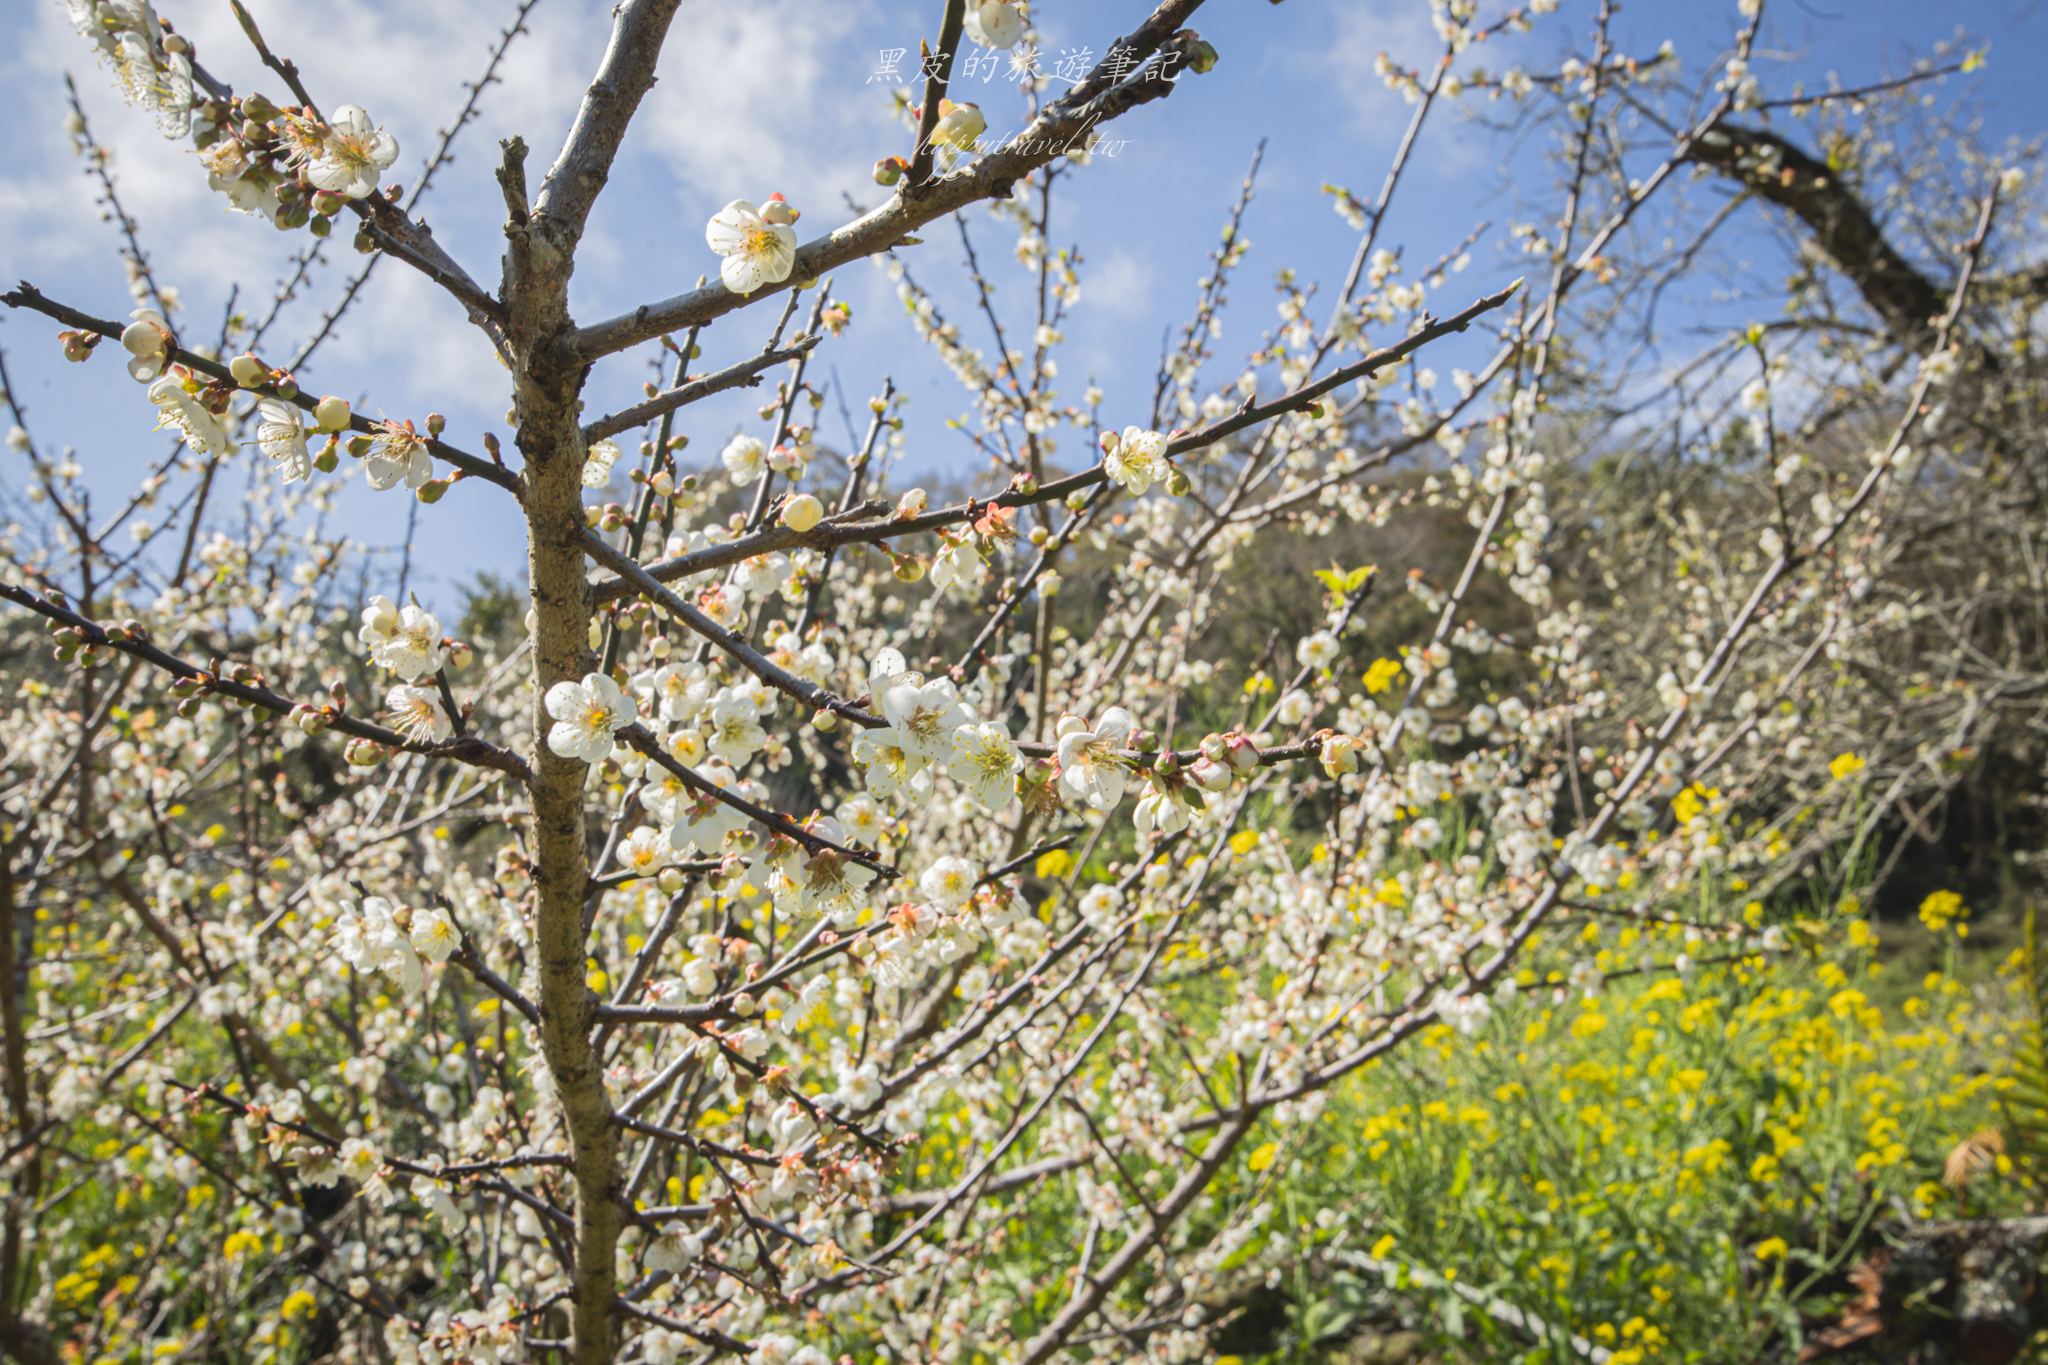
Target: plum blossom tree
(722,961)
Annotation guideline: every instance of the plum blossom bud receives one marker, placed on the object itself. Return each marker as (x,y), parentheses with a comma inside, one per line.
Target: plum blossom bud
(960,126)
(329,456)
(363,753)
(436,424)
(890,169)
(248,371)
(1209,775)
(912,504)
(142,338)
(1340,755)
(802,512)
(1240,753)
(824,721)
(331,413)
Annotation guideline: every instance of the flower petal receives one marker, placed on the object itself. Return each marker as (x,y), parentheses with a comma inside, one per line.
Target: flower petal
(741,273)
(566,741)
(566,700)
(727,231)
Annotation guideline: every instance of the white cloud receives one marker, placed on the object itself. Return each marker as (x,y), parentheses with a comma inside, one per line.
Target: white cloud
(772,95)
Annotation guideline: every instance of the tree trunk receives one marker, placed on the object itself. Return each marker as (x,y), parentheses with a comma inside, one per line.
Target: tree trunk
(553,496)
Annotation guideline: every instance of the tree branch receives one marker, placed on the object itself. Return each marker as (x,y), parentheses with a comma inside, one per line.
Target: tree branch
(26,295)
(832,533)
(1060,126)
(623,80)
(476,752)
(1840,223)
(745,374)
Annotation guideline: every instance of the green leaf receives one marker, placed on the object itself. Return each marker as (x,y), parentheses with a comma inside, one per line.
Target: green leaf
(1345,582)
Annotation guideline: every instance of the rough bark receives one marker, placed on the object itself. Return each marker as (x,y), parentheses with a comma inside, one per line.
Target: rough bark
(561,603)
(1840,224)
(20,1339)
(547,389)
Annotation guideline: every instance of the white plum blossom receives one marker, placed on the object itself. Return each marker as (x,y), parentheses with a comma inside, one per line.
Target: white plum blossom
(370,940)
(360,1160)
(1159,811)
(925,716)
(1319,650)
(735,734)
(948,883)
(1089,770)
(352,155)
(1465,1011)
(832,880)
(598,459)
(434,1194)
(758,246)
(1136,460)
(644,852)
(397,454)
(702,820)
(405,640)
(153,66)
(986,762)
(433,934)
(1936,367)
(958,568)
(994,24)
(177,407)
(282,437)
(416,713)
(680,690)
(745,459)
(587,715)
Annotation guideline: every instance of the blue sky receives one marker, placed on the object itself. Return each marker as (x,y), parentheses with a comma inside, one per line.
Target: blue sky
(776,95)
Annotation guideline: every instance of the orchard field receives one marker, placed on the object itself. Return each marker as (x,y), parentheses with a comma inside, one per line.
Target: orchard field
(999,681)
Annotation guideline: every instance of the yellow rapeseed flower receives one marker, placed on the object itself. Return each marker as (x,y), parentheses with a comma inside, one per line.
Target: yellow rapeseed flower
(1943,909)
